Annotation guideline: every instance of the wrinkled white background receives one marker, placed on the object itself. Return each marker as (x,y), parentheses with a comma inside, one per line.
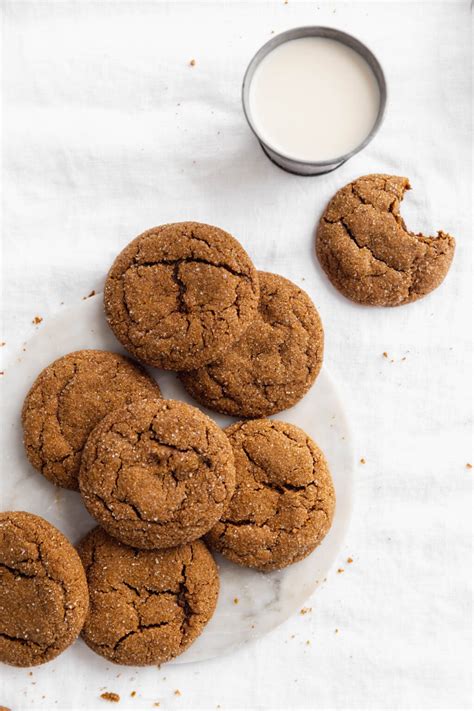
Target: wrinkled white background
(107,131)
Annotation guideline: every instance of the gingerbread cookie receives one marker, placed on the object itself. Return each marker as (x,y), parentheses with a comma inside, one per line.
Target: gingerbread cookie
(179,295)
(68,399)
(367,251)
(157,473)
(284,498)
(146,607)
(273,364)
(43,590)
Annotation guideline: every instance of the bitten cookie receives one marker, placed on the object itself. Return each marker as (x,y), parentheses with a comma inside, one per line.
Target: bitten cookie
(273,364)
(146,607)
(43,590)
(68,399)
(284,498)
(157,473)
(368,253)
(179,295)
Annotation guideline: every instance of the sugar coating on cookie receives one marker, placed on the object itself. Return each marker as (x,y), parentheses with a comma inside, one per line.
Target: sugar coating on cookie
(146,607)
(284,498)
(273,364)
(180,294)
(68,399)
(43,590)
(157,473)
(367,251)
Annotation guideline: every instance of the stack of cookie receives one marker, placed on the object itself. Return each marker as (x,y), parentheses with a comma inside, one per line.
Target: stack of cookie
(159,476)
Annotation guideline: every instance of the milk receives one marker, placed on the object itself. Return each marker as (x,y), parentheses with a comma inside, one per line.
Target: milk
(313,99)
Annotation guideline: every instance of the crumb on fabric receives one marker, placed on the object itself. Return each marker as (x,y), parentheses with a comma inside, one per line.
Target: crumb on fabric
(177,692)
(308,642)
(3,343)
(89,295)
(37,320)
(192,63)
(385,354)
(110,696)
(133,693)
(305,610)
(362,460)
(468,465)
(336,631)
(350,560)
(236,600)
(340,570)
(2,372)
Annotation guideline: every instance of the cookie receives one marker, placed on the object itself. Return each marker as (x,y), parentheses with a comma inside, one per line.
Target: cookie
(368,253)
(284,498)
(157,473)
(43,590)
(179,295)
(273,364)
(66,402)
(146,607)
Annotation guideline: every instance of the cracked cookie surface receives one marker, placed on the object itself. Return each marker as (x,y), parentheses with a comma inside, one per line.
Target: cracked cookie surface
(66,402)
(284,498)
(180,294)
(273,364)
(367,251)
(146,607)
(157,473)
(43,590)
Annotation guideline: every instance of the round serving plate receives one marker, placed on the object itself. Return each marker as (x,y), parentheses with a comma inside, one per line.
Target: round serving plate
(250,603)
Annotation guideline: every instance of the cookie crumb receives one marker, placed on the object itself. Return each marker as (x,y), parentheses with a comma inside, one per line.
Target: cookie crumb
(305,610)
(362,460)
(236,600)
(336,631)
(37,320)
(3,343)
(110,696)
(385,354)
(89,295)
(308,642)
(468,465)
(192,63)
(133,693)
(2,372)
(350,560)
(340,570)
(177,692)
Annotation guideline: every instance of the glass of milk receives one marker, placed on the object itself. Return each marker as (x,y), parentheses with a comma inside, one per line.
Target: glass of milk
(313,96)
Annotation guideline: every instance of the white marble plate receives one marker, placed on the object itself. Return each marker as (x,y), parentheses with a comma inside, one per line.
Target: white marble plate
(264,599)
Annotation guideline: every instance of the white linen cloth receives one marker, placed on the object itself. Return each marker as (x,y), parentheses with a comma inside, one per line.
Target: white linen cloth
(108,130)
